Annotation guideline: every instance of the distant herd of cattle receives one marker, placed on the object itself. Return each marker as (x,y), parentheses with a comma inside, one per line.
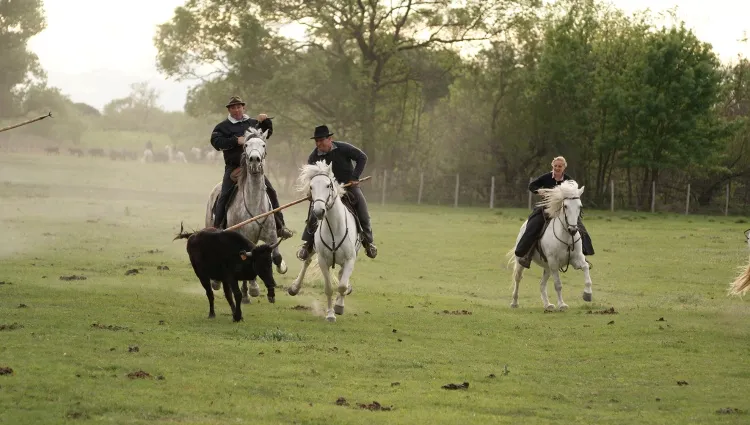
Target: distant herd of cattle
(169,155)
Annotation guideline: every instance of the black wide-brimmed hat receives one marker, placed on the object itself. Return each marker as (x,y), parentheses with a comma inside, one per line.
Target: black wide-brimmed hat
(321,131)
(235,100)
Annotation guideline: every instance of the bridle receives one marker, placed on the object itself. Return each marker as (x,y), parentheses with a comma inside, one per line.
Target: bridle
(571,245)
(325,202)
(262,155)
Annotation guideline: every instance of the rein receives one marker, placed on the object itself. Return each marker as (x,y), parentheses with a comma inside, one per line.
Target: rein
(572,245)
(335,247)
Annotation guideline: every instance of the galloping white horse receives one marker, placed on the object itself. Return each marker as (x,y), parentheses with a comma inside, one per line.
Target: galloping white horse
(336,239)
(251,200)
(560,243)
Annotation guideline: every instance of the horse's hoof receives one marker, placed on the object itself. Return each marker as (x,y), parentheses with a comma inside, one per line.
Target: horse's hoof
(235,320)
(513,305)
(587,296)
(562,307)
(282,268)
(349,291)
(338,309)
(253,291)
(216,285)
(550,307)
(246,300)
(211,316)
(271,300)
(291,291)
(331,319)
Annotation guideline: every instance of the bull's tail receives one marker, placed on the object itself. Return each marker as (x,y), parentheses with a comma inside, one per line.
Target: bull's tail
(183,234)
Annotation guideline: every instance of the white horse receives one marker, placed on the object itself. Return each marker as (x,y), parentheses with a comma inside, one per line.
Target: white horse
(560,244)
(250,200)
(742,283)
(336,239)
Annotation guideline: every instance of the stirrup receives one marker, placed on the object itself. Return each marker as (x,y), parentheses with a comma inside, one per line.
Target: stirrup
(371,250)
(304,253)
(284,233)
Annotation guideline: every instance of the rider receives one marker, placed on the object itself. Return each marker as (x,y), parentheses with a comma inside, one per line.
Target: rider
(228,136)
(341,154)
(536,219)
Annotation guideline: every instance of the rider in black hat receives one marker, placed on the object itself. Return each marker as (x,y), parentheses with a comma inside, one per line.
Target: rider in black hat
(341,155)
(229,136)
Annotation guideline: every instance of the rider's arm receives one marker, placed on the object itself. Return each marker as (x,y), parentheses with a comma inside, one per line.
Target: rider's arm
(356,155)
(222,141)
(537,184)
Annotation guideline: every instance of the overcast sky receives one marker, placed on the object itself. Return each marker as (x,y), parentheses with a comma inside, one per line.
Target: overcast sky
(94,49)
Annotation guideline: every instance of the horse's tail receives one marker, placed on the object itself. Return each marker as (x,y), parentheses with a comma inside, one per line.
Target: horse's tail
(183,234)
(742,284)
(513,262)
(314,273)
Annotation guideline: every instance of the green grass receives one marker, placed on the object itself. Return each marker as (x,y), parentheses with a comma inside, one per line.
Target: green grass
(71,343)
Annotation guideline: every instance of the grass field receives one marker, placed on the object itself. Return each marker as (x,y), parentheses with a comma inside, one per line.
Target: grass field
(431,310)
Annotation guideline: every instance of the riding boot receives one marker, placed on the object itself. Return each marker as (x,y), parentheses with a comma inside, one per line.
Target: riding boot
(364,219)
(534,226)
(308,236)
(588,247)
(227,185)
(281,230)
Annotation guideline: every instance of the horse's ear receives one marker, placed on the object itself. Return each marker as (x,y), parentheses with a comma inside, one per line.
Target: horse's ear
(580,191)
(265,135)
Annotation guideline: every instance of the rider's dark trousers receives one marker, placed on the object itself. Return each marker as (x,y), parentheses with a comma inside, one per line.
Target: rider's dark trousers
(533,231)
(308,235)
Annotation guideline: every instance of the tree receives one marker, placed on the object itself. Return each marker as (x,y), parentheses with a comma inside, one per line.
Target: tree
(19,21)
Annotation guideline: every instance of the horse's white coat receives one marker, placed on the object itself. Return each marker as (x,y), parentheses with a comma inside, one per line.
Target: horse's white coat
(336,239)
(560,243)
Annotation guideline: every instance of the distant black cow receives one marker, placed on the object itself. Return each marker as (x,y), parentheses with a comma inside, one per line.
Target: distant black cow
(229,257)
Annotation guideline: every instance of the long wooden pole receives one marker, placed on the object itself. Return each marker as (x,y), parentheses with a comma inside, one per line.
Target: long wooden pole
(25,122)
(266,214)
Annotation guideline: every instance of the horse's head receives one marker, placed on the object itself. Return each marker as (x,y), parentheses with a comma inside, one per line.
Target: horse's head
(564,202)
(318,182)
(255,150)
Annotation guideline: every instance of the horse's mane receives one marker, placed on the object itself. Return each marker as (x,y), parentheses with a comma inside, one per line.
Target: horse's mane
(309,171)
(251,133)
(552,199)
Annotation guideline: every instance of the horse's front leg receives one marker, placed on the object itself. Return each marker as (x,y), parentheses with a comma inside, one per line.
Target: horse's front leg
(558,288)
(297,284)
(326,272)
(580,263)
(543,289)
(345,288)
(278,260)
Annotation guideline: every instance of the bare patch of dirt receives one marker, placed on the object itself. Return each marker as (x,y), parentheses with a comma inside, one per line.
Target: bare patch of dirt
(661,319)
(131,272)
(610,310)
(12,326)
(139,375)
(458,312)
(109,327)
(729,411)
(153,251)
(73,277)
(6,370)
(133,349)
(395,384)
(374,406)
(463,386)
(77,415)
(681,383)
(301,307)
(2,282)
(341,401)
(162,268)
(22,306)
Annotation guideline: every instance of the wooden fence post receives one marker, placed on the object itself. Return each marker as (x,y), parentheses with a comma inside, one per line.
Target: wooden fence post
(492,192)
(455,196)
(385,178)
(726,202)
(653,195)
(612,195)
(421,185)
(687,200)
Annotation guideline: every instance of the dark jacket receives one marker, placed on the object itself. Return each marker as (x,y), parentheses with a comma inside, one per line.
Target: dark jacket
(546,181)
(225,134)
(341,155)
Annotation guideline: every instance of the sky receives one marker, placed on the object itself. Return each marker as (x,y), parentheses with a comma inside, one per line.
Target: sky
(93,50)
